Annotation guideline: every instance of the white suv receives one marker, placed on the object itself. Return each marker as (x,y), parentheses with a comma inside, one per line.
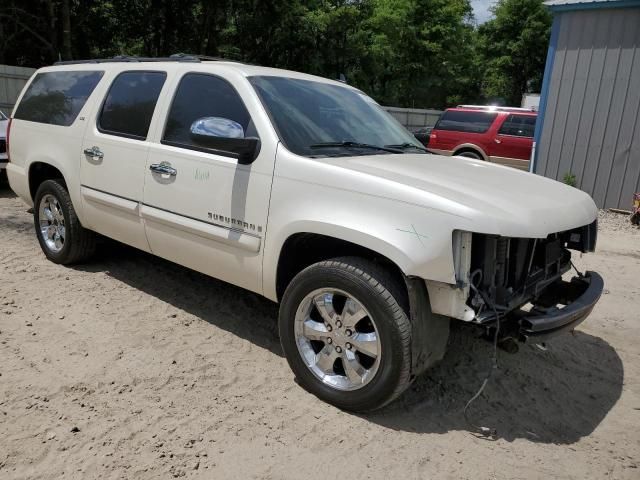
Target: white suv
(304,190)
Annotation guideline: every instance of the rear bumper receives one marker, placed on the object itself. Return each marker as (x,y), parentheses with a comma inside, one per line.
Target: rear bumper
(580,296)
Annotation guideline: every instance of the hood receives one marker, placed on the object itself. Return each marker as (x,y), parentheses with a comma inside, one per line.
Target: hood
(488,198)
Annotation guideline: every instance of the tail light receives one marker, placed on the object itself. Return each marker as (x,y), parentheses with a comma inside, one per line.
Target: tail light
(7,139)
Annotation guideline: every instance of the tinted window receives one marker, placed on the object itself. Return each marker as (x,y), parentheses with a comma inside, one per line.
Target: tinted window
(519,125)
(56,98)
(130,103)
(471,122)
(198,96)
(309,113)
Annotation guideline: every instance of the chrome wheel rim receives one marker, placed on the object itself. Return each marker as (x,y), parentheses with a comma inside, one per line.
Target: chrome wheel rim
(337,339)
(52,226)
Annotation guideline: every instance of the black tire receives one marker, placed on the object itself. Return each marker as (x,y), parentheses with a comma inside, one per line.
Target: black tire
(79,243)
(385,298)
(469,154)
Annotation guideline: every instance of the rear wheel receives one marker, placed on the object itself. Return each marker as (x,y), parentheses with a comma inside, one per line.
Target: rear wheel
(61,236)
(469,154)
(346,335)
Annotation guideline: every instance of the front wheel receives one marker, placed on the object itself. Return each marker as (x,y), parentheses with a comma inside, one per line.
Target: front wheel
(346,334)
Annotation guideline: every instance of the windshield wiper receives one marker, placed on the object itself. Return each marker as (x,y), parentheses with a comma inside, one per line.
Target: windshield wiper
(386,148)
(404,146)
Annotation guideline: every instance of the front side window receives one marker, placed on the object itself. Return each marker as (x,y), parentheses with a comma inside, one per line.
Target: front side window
(519,126)
(324,119)
(56,98)
(202,96)
(129,105)
(463,121)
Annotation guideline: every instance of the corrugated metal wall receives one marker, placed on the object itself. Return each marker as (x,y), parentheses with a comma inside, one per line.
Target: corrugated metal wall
(12,79)
(592,121)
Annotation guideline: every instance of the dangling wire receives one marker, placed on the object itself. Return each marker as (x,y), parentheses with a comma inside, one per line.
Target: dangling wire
(485,431)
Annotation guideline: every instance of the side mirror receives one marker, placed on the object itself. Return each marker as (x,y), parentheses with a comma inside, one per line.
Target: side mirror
(224,136)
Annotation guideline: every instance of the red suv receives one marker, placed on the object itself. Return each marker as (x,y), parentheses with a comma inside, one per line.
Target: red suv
(497,134)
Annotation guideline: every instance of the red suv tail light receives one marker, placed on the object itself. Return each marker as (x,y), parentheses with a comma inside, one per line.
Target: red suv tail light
(7,139)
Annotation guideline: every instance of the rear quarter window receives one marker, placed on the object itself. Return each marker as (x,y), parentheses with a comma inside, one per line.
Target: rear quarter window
(470,122)
(56,98)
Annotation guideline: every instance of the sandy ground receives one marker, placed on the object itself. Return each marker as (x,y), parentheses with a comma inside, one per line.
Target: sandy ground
(132,367)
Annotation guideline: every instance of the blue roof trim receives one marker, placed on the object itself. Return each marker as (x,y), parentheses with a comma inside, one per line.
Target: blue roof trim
(568,7)
(544,94)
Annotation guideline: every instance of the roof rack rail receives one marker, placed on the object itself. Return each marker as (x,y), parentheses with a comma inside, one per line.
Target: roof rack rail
(132,59)
(176,57)
(497,108)
(201,58)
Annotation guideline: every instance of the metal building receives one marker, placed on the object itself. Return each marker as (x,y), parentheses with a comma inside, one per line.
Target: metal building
(589,118)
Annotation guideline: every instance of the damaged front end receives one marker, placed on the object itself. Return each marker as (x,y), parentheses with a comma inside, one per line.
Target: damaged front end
(520,280)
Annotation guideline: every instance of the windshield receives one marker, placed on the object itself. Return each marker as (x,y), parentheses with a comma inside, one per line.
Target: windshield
(3,116)
(320,119)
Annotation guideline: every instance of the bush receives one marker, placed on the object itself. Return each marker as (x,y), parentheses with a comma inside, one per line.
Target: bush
(570,179)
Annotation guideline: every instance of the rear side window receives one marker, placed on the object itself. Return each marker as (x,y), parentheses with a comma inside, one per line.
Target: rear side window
(56,98)
(129,105)
(198,96)
(519,126)
(470,122)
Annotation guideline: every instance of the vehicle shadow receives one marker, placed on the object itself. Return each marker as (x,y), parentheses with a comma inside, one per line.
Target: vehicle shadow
(557,395)
(218,303)
(5,190)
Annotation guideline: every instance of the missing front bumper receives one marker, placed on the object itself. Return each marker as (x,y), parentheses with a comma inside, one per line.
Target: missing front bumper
(579,295)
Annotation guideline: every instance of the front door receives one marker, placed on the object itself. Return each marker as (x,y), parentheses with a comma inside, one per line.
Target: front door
(202,209)
(114,155)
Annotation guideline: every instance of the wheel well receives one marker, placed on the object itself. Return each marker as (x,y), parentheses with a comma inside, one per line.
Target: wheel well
(304,249)
(469,149)
(39,172)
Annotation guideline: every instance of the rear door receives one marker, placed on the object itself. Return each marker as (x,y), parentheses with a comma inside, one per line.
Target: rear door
(202,209)
(114,154)
(514,140)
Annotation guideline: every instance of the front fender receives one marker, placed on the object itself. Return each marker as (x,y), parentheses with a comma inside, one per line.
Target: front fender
(417,240)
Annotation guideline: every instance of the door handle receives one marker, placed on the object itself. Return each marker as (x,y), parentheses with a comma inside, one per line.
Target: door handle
(163,168)
(94,152)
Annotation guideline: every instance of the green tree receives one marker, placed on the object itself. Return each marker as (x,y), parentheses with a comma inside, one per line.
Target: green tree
(418,53)
(513,48)
(414,53)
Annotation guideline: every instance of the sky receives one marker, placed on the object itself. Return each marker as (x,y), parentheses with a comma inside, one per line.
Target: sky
(481,9)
